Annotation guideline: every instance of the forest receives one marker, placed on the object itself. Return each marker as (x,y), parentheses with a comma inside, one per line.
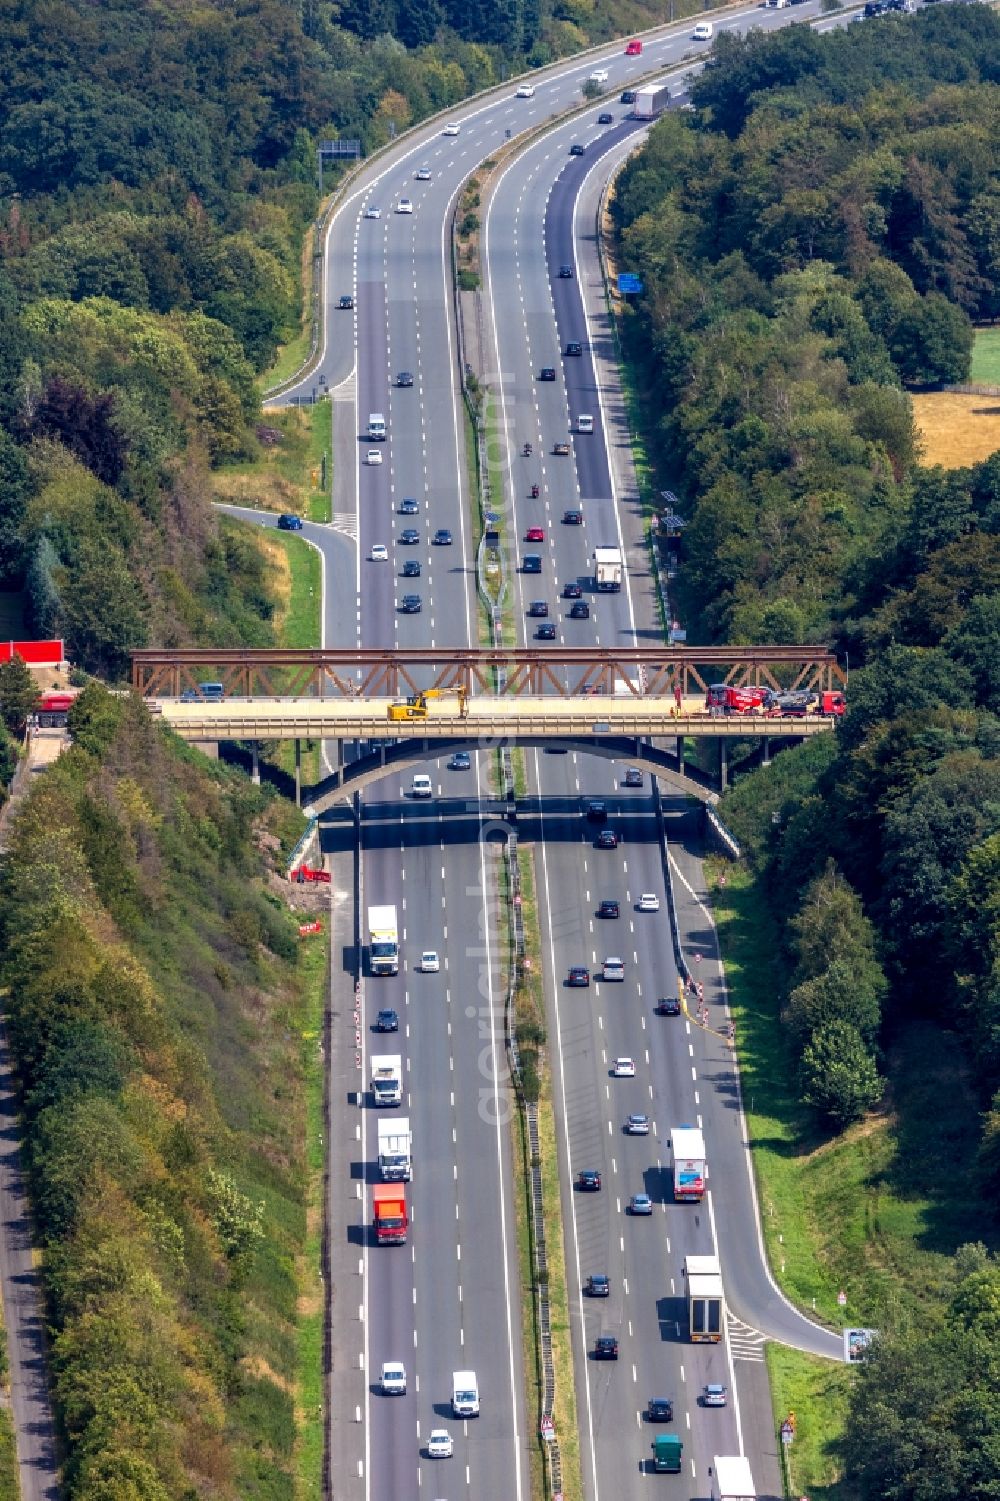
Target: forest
(156,1013)
(818,239)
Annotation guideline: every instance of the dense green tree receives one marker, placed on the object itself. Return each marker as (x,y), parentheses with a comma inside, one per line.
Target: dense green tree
(18,694)
(839,1077)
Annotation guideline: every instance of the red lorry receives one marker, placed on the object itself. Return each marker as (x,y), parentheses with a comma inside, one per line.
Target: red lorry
(391,1222)
(633,48)
(725,699)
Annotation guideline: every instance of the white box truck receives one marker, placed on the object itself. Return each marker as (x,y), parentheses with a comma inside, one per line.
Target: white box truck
(383,940)
(394,1150)
(464,1394)
(731,1479)
(651,100)
(608,569)
(688,1147)
(376,427)
(387,1078)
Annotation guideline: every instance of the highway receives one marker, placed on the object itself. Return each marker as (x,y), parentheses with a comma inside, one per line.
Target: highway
(449,1298)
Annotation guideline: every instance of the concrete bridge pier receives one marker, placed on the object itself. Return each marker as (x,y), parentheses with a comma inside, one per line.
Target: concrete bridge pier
(765,759)
(255,763)
(723,765)
(298,773)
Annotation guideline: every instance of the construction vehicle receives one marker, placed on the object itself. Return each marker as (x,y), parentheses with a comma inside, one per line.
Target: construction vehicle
(416,705)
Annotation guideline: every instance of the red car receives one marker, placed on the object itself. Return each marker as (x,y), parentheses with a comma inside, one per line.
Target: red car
(535,534)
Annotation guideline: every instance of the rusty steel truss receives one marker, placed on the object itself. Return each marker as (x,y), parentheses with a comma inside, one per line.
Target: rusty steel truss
(568,672)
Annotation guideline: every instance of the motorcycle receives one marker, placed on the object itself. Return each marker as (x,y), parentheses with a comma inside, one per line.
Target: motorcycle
(526,451)
(534,492)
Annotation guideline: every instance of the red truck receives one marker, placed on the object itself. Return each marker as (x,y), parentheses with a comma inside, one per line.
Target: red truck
(828,704)
(723,698)
(303,873)
(391,1222)
(633,48)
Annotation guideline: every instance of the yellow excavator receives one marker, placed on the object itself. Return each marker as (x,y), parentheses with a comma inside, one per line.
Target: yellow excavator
(415,706)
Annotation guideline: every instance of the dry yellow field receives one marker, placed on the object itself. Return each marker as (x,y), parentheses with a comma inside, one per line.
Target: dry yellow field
(957,430)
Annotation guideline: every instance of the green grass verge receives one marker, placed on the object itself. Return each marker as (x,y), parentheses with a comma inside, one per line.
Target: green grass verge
(10,1489)
(876,1212)
(299,625)
(312,1312)
(293,355)
(817,1392)
(986,357)
(289,475)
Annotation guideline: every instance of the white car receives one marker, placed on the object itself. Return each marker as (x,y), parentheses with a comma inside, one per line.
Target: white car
(649,902)
(440,1445)
(713,1395)
(393,1379)
(371,212)
(624,1068)
(599,75)
(404,206)
(373,456)
(451,130)
(429,962)
(703,31)
(614,969)
(526,91)
(423,174)
(380,553)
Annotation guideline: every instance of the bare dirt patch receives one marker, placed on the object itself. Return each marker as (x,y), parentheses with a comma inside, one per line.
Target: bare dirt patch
(957,430)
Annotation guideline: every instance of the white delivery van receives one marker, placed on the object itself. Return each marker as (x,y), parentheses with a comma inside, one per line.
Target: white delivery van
(421,785)
(464,1394)
(585,423)
(376,427)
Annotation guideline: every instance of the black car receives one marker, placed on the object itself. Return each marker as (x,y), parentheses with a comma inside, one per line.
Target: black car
(547,372)
(410,604)
(289,523)
(545,633)
(572,591)
(387,1021)
(578,976)
(628,96)
(532,563)
(408,506)
(588,1181)
(580,611)
(442,537)
(605,119)
(411,569)
(409,536)
(598,1286)
(346,302)
(597,811)
(566,272)
(660,1410)
(404,378)
(538,609)
(608,909)
(460,761)
(572,518)
(633,777)
(576,149)
(606,1347)
(574,347)
(607,839)
(668,1005)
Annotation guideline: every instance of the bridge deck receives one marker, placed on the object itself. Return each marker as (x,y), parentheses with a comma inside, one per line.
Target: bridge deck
(488,718)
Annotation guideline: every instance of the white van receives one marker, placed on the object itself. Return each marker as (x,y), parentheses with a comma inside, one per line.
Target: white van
(464,1394)
(376,427)
(585,423)
(421,785)
(703,31)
